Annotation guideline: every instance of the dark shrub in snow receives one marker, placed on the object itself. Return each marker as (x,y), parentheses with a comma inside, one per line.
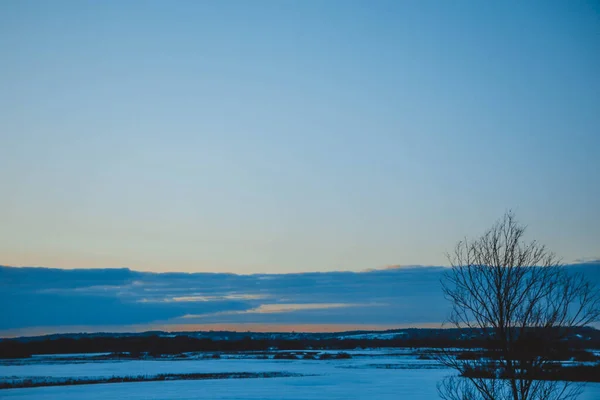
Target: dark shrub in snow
(285,356)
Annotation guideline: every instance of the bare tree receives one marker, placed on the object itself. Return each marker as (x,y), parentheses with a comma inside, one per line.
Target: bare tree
(521,301)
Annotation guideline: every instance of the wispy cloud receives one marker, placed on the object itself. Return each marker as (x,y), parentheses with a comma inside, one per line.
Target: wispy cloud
(277,308)
(588,260)
(193,298)
(224,297)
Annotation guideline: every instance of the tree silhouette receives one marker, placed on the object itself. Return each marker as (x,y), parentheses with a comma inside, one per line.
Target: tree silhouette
(520,299)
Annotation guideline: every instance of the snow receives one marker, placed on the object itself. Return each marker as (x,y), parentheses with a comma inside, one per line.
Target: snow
(346,386)
(70,355)
(155,367)
(376,375)
(380,336)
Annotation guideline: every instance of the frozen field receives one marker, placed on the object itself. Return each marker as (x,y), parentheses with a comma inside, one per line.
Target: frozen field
(372,375)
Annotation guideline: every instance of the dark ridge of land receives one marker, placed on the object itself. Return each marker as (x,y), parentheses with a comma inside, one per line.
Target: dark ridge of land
(582,333)
(156,344)
(31,383)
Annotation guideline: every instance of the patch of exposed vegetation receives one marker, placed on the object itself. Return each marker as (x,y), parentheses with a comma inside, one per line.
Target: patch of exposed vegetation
(44,381)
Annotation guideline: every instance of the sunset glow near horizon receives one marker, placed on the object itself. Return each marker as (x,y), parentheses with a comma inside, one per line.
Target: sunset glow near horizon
(279,137)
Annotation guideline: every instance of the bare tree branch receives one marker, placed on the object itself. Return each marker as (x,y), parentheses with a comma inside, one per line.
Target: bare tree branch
(518,296)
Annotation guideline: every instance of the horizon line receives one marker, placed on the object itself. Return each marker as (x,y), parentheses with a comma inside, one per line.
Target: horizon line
(367,270)
(580,261)
(214,327)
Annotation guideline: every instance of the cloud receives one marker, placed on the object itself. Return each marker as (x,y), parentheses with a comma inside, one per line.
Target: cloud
(39,297)
(201,298)
(277,308)
(588,260)
(235,296)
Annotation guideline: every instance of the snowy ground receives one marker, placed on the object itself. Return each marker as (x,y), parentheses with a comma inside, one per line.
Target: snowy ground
(373,375)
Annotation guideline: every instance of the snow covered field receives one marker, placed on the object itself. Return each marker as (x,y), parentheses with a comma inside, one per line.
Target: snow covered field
(373,375)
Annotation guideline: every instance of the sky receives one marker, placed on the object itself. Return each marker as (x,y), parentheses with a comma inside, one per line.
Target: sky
(293,136)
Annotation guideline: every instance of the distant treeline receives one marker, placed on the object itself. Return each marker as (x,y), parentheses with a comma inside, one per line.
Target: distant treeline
(157,345)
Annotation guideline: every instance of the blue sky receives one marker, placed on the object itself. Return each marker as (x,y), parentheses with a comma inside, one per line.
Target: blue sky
(288,136)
